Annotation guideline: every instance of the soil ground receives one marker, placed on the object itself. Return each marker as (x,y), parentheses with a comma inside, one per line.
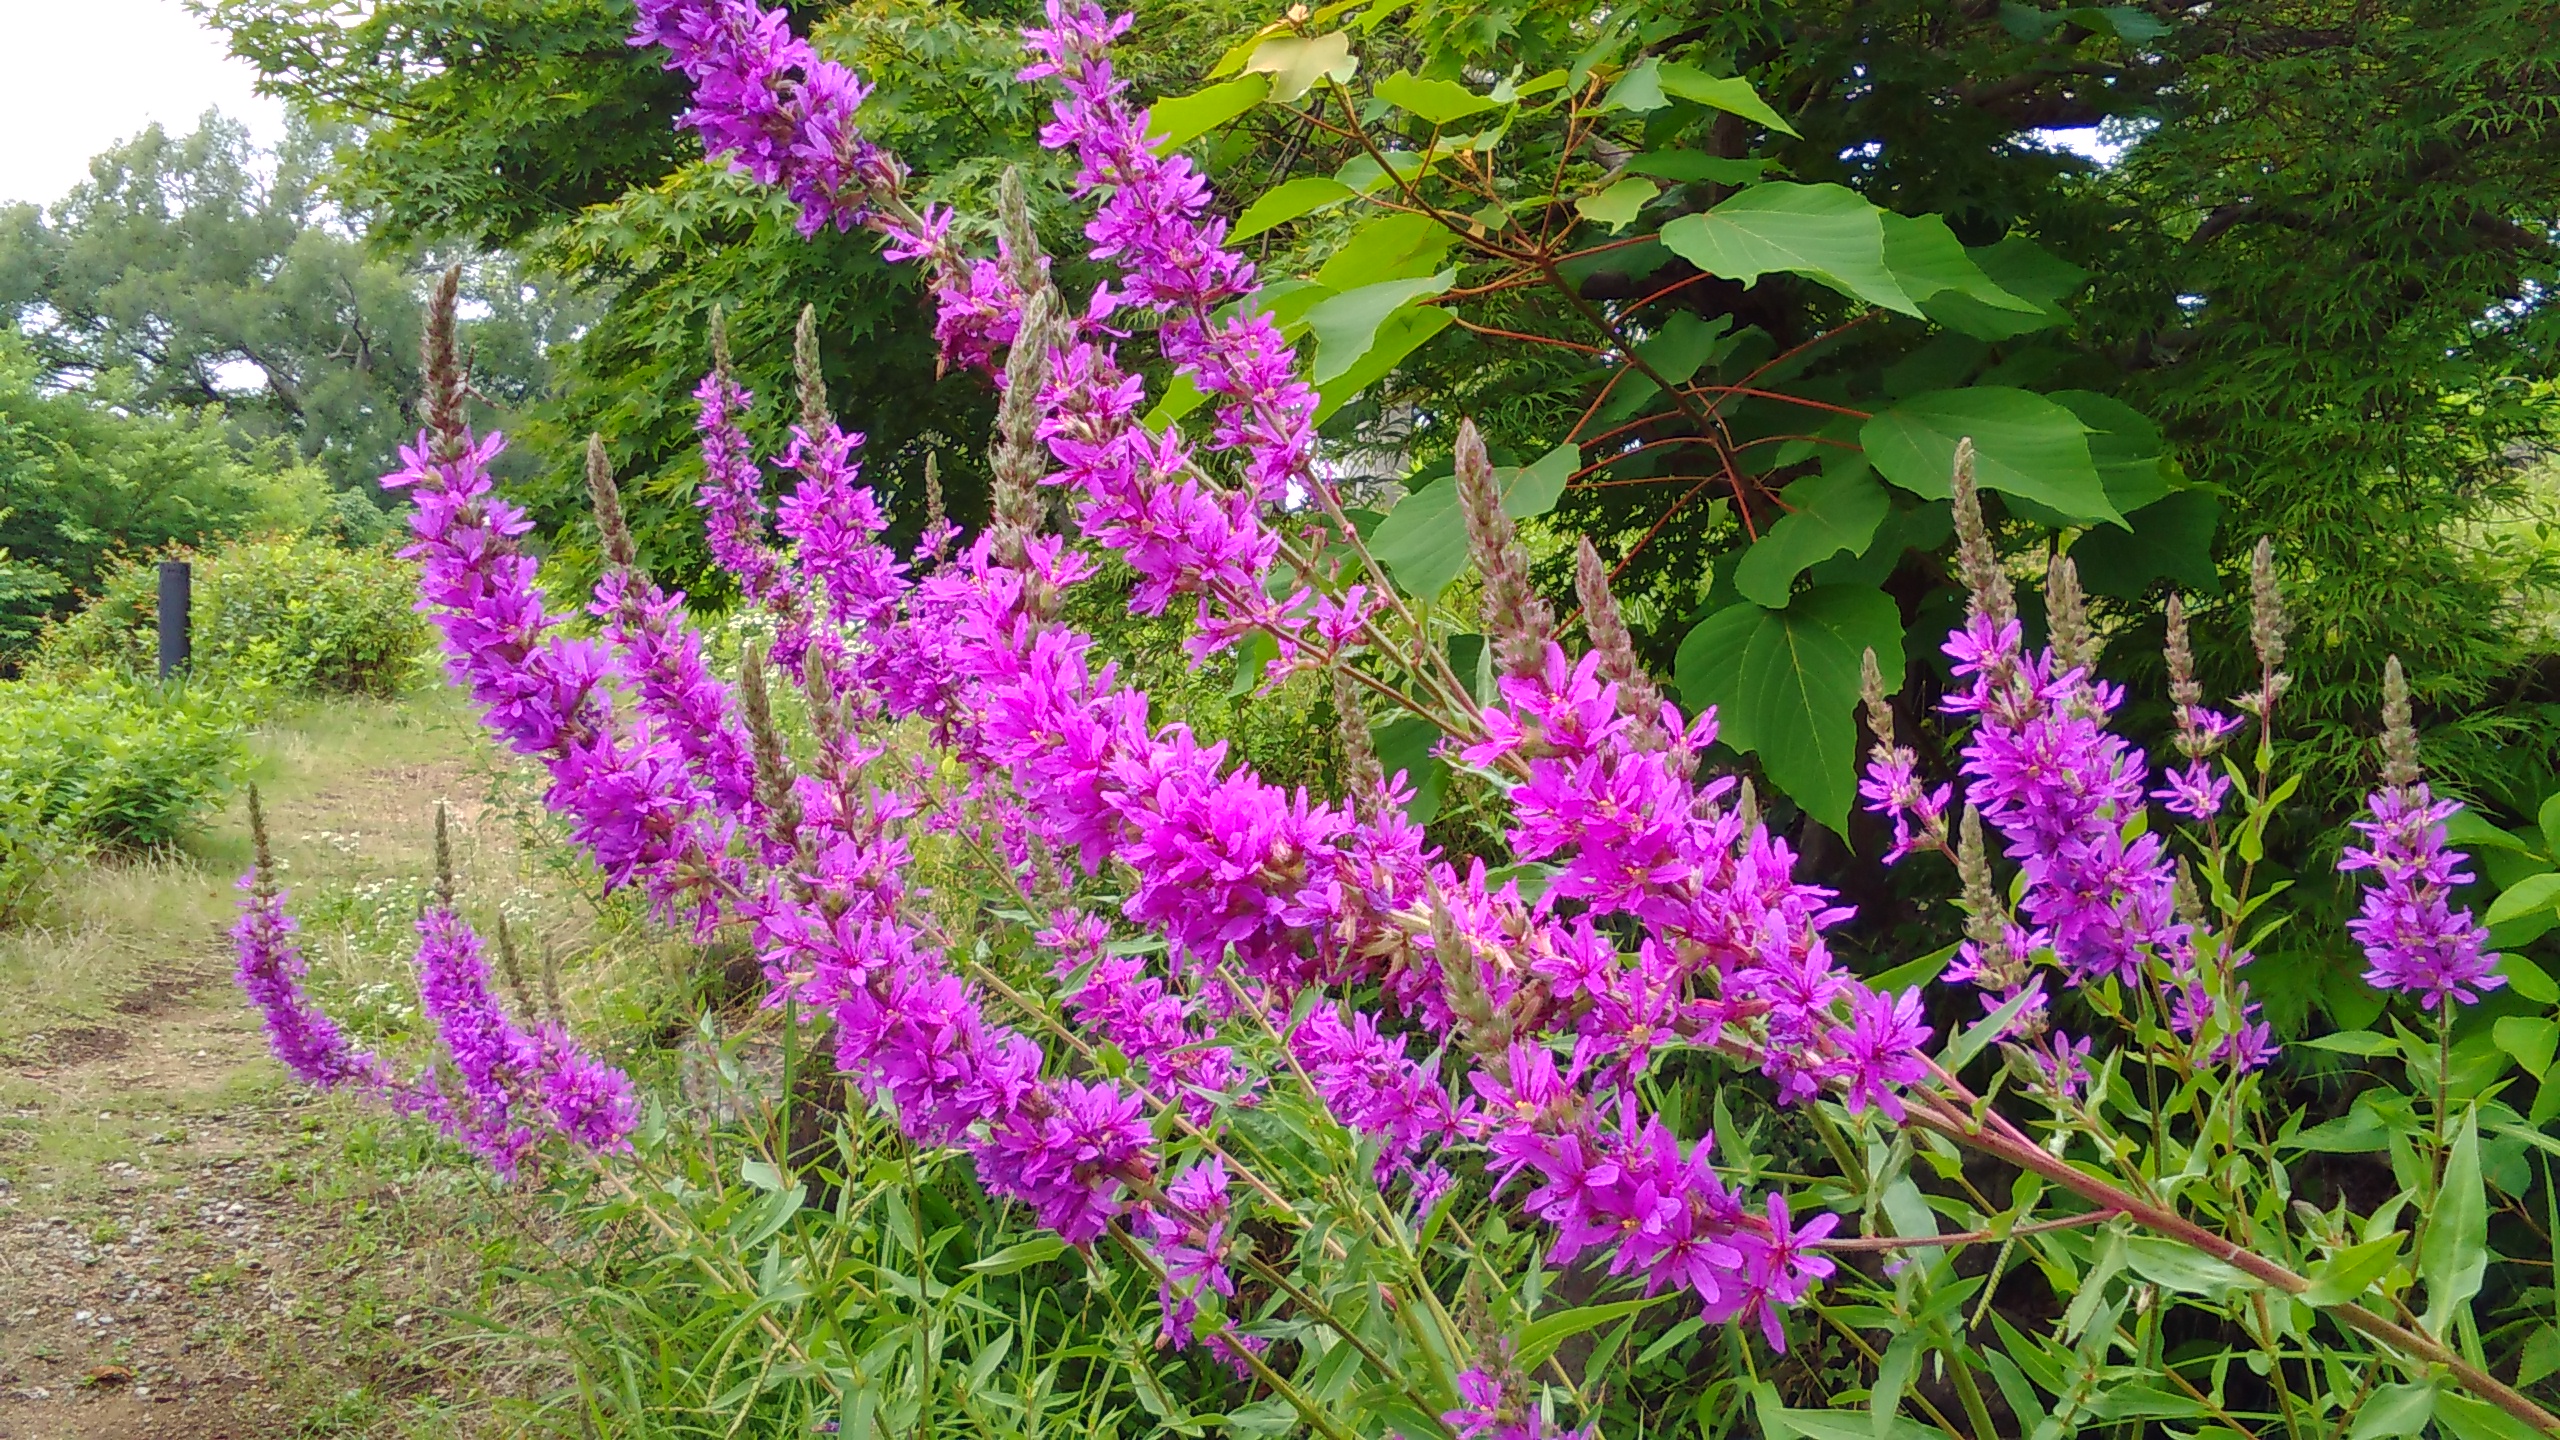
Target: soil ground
(189,1245)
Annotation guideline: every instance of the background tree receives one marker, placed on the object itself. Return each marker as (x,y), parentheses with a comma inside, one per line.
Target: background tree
(212,275)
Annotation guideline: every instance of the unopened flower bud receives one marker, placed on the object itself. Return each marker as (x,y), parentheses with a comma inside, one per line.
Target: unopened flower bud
(619,549)
(2399,729)
(1516,620)
(1638,698)
(813,379)
(2075,642)
(1976,559)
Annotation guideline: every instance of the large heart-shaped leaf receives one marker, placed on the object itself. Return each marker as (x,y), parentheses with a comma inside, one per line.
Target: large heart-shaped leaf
(2023,444)
(1392,247)
(1833,512)
(1785,684)
(1402,333)
(1826,233)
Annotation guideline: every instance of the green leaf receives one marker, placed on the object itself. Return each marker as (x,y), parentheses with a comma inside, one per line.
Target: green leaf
(2134,24)
(2531,1039)
(1347,325)
(1688,166)
(2355,1042)
(1036,1251)
(1296,62)
(2396,1410)
(2534,892)
(1639,90)
(1438,101)
(1826,233)
(1843,1425)
(2174,1266)
(2541,1356)
(1833,512)
(2548,821)
(1181,397)
(2124,444)
(1405,745)
(762,1174)
(2170,539)
(1785,683)
(2022,268)
(2024,445)
(1549,1331)
(1731,94)
(1392,247)
(1682,346)
(1404,332)
(2349,1273)
(1296,200)
(1978,1036)
(1928,260)
(1533,489)
(1617,206)
(2529,980)
(1423,541)
(2453,1253)
(1174,123)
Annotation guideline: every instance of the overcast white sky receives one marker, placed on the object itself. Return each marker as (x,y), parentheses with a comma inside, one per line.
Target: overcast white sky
(76,76)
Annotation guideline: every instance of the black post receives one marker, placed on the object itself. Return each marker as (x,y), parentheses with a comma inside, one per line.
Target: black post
(177,586)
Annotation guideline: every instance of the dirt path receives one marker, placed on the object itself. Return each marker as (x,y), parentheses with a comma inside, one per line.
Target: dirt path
(190,1247)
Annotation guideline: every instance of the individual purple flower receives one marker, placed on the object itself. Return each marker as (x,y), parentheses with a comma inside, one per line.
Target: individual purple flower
(1881,1050)
(1779,1270)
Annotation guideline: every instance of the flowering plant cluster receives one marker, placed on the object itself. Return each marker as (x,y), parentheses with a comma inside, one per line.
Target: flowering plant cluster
(1312,1073)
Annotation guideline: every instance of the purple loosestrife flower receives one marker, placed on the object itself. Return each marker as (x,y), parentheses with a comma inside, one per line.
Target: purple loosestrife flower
(1118,1000)
(1882,1049)
(732,491)
(1780,1267)
(1156,225)
(2415,939)
(764,100)
(270,972)
(629,799)
(2058,786)
(494,1063)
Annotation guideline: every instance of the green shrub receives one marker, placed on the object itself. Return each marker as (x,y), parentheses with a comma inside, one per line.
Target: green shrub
(109,763)
(298,615)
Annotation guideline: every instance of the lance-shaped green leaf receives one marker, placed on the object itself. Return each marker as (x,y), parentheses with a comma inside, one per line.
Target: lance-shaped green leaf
(1826,233)
(1785,684)
(2024,445)
(1294,201)
(1174,123)
(2394,1410)
(1835,512)
(2453,1252)
(1438,101)
(1731,94)
(1347,325)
